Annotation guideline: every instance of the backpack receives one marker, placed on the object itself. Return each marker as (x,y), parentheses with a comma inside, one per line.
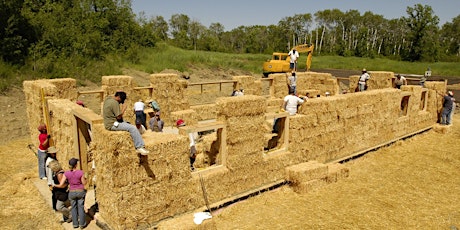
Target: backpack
(155,106)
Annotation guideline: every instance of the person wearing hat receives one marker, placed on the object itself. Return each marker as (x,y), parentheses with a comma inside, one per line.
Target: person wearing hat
(155,123)
(77,193)
(51,156)
(113,120)
(43,139)
(362,84)
(61,195)
(447,107)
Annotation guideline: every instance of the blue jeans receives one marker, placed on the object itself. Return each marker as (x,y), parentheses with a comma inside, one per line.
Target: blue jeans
(137,138)
(41,164)
(446,116)
(77,201)
(362,87)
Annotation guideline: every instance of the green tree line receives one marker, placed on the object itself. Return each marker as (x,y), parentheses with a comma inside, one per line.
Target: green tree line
(58,37)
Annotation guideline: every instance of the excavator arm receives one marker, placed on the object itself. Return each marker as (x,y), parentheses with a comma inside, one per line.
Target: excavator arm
(306,48)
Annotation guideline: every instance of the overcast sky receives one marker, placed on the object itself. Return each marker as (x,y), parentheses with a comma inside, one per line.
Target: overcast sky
(234,13)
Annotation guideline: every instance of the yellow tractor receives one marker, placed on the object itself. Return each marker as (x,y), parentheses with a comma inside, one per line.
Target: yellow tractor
(280,61)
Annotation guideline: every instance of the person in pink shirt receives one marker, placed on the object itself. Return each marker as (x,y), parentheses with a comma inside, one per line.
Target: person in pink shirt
(77,180)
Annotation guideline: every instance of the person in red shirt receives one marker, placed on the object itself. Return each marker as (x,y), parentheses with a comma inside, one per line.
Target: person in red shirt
(43,139)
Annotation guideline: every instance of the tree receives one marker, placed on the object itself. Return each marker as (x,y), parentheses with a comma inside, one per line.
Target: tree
(450,37)
(423,30)
(16,32)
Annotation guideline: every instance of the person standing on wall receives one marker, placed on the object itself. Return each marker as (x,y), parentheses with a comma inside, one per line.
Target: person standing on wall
(43,139)
(363,80)
(77,193)
(293,55)
(113,120)
(139,111)
(399,81)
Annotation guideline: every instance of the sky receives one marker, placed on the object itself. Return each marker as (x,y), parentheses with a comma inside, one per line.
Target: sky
(234,13)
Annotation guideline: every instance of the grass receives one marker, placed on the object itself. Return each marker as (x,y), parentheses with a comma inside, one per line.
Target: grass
(163,56)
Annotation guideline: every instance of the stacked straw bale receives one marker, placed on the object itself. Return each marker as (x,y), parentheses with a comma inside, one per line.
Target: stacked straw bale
(378,80)
(133,190)
(280,87)
(64,88)
(249,84)
(205,112)
(434,99)
(323,82)
(116,83)
(333,127)
(308,176)
(189,116)
(170,92)
(274,104)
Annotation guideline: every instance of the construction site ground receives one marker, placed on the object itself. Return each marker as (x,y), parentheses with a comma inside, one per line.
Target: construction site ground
(413,183)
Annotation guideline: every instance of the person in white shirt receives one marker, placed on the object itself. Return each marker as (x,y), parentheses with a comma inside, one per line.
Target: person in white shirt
(294,55)
(399,81)
(363,80)
(291,102)
(292,82)
(139,111)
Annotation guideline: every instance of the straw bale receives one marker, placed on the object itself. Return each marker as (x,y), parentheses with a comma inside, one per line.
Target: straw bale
(443,129)
(301,121)
(309,186)
(305,172)
(280,88)
(246,105)
(245,129)
(249,84)
(336,172)
(353,83)
(205,112)
(189,116)
(380,79)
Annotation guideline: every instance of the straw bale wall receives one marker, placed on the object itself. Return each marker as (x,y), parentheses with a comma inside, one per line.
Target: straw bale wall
(170,92)
(136,191)
(113,84)
(65,88)
(378,80)
(323,82)
(189,116)
(205,112)
(249,84)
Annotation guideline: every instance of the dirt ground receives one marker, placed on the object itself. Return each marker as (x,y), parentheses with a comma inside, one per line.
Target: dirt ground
(412,184)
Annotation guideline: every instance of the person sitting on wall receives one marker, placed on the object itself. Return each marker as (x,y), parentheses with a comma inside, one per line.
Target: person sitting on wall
(113,120)
(399,81)
(155,123)
(291,102)
(192,157)
(363,80)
